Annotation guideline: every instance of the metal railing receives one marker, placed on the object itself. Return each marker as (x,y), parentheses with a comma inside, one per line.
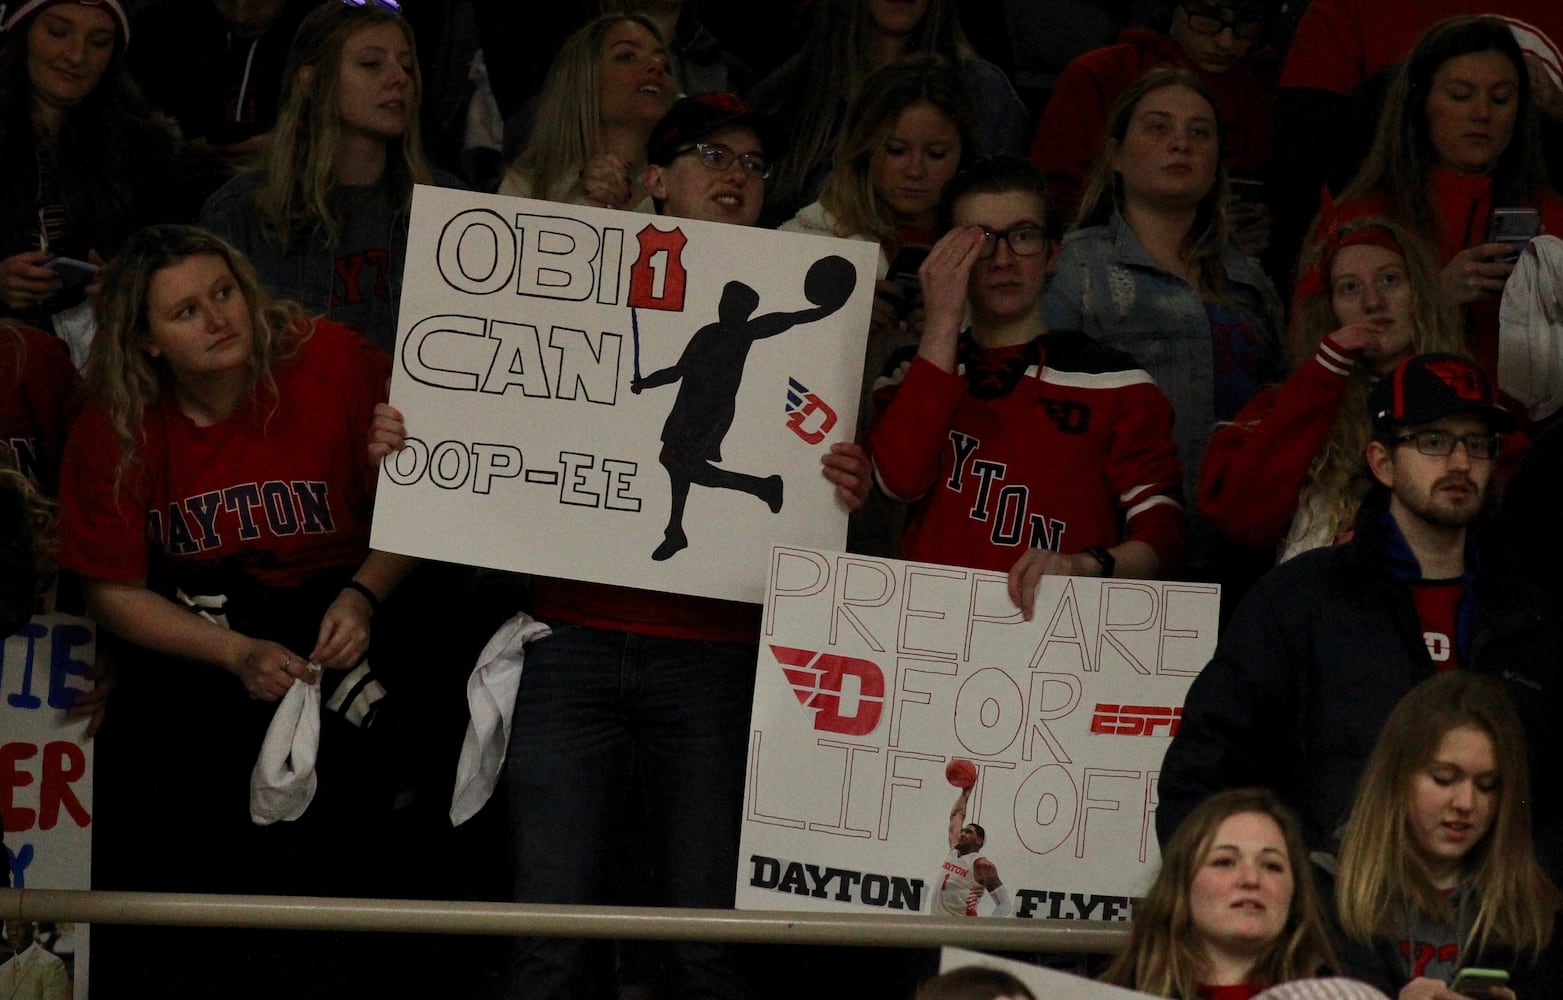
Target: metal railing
(515,919)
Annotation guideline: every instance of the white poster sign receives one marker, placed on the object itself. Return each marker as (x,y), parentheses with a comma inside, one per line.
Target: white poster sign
(46,777)
(1040,981)
(618,397)
(917,746)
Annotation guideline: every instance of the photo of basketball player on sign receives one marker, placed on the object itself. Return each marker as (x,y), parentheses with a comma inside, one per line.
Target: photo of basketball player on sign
(966,874)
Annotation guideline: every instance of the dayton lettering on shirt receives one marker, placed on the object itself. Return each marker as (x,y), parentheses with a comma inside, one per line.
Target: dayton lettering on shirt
(1006,509)
(242,512)
(353,271)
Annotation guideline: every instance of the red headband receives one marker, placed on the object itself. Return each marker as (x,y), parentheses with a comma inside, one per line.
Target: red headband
(1335,226)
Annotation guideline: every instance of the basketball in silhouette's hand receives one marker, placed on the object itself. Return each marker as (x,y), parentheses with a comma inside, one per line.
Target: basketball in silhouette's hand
(960,772)
(829,282)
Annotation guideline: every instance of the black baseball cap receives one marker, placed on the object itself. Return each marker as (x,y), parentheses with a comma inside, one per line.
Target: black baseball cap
(691,119)
(1428,387)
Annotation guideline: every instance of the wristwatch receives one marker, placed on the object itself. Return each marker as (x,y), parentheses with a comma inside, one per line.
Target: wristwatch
(1101,555)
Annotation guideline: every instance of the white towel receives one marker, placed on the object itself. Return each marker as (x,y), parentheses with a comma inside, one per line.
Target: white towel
(1530,329)
(491,702)
(283,782)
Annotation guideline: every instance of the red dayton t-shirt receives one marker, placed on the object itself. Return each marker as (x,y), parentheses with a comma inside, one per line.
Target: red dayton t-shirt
(37,401)
(284,484)
(1437,607)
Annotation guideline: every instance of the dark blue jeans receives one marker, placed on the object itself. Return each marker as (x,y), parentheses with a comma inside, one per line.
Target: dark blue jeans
(603,721)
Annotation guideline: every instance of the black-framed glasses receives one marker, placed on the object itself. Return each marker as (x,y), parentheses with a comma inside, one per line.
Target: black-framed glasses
(720,158)
(387,5)
(1437,444)
(1024,241)
(1208,21)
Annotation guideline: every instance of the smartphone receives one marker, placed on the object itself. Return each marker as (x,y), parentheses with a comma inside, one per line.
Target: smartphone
(903,271)
(1475,982)
(72,271)
(1514,226)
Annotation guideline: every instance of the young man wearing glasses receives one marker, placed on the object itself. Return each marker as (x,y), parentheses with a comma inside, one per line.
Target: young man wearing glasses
(1022,449)
(634,714)
(1222,41)
(1323,647)
(708,158)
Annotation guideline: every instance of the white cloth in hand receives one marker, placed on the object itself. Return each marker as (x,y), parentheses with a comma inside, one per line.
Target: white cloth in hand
(491,702)
(283,782)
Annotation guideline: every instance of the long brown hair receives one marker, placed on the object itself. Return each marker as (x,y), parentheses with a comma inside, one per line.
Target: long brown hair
(122,377)
(1207,239)
(1381,873)
(297,200)
(849,193)
(1402,149)
(1165,955)
(809,94)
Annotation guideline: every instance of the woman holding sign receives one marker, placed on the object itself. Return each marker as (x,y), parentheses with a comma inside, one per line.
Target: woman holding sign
(215,501)
(325,222)
(1233,909)
(1438,878)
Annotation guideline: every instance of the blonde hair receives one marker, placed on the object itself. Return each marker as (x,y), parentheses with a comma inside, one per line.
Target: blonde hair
(1381,872)
(1206,242)
(569,112)
(1165,955)
(122,377)
(297,199)
(1338,477)
(849,192)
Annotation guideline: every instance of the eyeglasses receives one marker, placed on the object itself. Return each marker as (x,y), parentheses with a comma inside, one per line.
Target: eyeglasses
(1208,21)
(720,158)
(389,5)
(1437,444)
(1024,241)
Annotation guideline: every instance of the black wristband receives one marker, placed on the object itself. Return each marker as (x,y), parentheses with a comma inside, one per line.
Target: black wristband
(1107,559)
(374,602)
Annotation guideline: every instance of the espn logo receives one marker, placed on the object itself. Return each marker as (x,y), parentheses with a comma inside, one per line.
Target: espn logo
(1136,720)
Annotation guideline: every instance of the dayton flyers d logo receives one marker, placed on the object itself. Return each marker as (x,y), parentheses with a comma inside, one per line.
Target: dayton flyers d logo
(827,682)
(802,404)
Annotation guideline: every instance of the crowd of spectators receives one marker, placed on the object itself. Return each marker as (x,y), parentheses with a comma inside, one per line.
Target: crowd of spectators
(1268,266)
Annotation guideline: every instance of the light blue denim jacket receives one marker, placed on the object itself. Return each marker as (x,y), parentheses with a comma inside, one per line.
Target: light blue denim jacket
(1106,286)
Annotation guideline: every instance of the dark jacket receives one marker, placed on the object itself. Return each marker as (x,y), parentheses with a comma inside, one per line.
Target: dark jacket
(1318,655)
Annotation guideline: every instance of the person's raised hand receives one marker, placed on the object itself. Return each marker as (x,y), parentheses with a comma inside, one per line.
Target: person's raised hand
(1477,272)
(26,281)
(606,181)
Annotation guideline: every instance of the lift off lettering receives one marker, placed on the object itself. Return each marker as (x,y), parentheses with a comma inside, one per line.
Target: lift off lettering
(913,662)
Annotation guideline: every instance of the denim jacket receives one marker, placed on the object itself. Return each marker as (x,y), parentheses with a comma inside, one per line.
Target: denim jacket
(1106,286)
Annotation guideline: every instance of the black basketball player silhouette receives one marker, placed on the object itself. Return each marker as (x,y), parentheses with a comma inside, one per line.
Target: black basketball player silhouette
(709,373)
